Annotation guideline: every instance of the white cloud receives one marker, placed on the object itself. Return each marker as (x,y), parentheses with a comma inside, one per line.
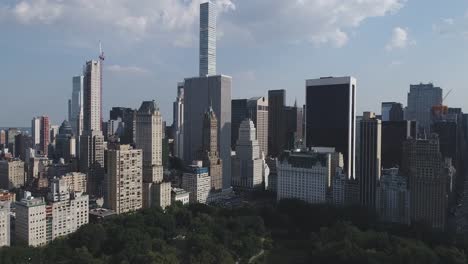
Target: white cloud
(399,39)
(444,27)
(126,69)
(319,22)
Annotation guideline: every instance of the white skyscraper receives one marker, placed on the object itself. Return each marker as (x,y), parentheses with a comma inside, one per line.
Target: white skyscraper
(178,123)
(92,140)
(36,131)
(247,164)
(92,96)
(208,38)
(75,115)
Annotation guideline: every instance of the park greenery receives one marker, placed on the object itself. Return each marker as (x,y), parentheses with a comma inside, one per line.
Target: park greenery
(286,232)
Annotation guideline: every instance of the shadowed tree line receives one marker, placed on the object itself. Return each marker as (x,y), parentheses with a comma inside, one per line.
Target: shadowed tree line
(288,232)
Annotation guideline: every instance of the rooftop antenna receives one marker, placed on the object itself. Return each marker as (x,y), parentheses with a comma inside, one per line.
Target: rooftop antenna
(101,53)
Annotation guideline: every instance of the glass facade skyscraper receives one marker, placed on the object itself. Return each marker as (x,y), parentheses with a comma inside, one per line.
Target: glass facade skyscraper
(331,116)
(207,39)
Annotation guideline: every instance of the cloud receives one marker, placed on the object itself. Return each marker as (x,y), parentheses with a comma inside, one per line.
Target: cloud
(126,69)
(399,39)
(319,22)
(444,27)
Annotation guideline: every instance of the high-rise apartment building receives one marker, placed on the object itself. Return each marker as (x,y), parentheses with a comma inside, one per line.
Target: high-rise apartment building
(276,122)
(421,99)
(69,210)
(75,114)
(256,109)
(178,122)
(370,162)
(303,175)
(92,139)
(393,205)
(209,153)
(12,174)
(5,223)
(75,181)
(331,116)
(92,96)
(30,221)
(200,94)
(392,111)
(124,179)
(92,160)
(149,136)
(248,163)
(198,183)
(428,181)
(208,38)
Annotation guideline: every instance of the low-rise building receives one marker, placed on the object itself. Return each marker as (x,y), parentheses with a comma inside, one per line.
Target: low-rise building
(30,222)
(180,195)
(303,175)
(198,183)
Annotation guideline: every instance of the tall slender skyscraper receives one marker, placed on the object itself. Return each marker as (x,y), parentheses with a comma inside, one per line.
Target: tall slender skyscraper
(331,116)
(92,97)
(276,125)
(208,38)
(75,114)
(370,162)
(92,139)
(178,122)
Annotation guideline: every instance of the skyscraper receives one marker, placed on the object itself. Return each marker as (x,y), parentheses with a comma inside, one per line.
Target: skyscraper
(149,139)
(256,109)
(248,163)
(40,129)
(208,39)
(276,126)
(331,116)
(200,94)
(36,131)
(370,161)
(392,111)
(92,96)
(209,153)
(178,122)
(394,134)
(421,99)
(92,139)
(75,114)
(428,181)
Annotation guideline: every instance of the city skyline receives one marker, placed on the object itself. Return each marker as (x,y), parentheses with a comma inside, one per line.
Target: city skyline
(379,49)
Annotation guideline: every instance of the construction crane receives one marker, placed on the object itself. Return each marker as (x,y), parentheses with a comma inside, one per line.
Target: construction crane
(101,53)
(441,110)
(446,95)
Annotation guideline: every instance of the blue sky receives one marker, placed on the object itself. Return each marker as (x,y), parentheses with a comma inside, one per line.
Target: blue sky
(150,45)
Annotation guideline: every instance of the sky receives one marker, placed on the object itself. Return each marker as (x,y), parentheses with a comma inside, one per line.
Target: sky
(150,45)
